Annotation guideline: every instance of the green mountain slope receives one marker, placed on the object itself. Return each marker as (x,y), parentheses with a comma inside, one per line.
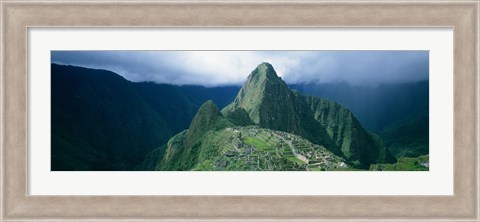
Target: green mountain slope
(214,143)
(239,117)
(409,137)
(398,112)
(270,127)
(92,107)
(101,121)
(271,104)
(375,106)
(420,163)
(356,143)
(185,149)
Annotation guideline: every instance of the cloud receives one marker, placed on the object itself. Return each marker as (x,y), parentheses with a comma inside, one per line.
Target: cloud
(212,68)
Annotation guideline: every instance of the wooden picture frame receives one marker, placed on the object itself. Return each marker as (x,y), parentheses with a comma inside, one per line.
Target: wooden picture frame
(18,16)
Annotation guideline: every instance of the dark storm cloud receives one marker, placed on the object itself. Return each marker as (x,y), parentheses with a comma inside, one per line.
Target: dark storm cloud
(362,67)
(133,65)
(212,68)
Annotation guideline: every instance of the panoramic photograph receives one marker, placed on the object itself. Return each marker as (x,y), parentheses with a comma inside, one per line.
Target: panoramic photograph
(332,110)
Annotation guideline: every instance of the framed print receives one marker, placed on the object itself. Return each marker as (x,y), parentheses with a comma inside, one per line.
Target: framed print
(239,110)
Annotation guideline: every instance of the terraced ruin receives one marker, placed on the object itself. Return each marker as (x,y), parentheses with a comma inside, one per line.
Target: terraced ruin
(253,148)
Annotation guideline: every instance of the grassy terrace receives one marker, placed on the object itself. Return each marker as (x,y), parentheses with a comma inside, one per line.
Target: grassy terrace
(248,148)
(258,143)
(295,160)
(404,164)
(268,143)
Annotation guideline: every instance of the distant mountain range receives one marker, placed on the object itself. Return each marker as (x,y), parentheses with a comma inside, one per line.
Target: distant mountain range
(100,121)
(376,106)
(397,112)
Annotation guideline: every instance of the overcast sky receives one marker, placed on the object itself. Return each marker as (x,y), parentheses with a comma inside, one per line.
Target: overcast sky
(213,68)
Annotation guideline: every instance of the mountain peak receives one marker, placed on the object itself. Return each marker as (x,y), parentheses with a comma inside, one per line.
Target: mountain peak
(263,86)
(207,118)
(209,104)
(266,98)
(264,71)
(207,112)
(265,64)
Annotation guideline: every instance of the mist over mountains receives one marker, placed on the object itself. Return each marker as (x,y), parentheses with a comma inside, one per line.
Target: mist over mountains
(376,106)
(217,68)
(100,121)
(397,112)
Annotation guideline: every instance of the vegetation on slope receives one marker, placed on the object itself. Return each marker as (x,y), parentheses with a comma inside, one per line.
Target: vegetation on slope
(184,149)
(101,121)
(356,143)
(398,112)
(239,117)
(409,137)
(271,104)
(375,106)
(251,149)
(420,163)
(266,127)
